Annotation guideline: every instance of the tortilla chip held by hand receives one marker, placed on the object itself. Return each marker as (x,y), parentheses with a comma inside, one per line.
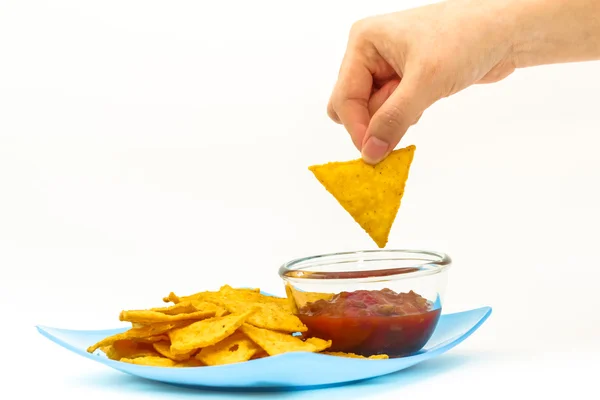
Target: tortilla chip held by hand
(371,194)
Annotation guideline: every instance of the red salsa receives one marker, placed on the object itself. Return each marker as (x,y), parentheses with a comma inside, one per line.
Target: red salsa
(369,322)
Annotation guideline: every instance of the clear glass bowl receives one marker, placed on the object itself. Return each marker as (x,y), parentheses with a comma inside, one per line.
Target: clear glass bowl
(369,302)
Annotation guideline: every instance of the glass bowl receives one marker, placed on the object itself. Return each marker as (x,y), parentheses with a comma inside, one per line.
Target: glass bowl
(369,302)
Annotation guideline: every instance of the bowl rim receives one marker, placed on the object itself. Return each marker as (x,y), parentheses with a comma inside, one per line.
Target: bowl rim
(441,263)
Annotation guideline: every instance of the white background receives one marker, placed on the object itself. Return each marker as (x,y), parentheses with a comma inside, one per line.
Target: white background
(155,146)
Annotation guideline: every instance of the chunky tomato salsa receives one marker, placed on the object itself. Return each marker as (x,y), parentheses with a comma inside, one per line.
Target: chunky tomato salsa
(369,322)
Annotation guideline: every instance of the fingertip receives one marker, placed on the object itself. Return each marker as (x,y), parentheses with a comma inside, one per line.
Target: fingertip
(331,112)
(374,150)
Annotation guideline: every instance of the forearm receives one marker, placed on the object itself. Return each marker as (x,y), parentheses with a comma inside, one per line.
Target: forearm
(555,31)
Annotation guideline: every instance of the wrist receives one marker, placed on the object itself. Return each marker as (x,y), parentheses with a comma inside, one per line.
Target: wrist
(554,31)
(531,32)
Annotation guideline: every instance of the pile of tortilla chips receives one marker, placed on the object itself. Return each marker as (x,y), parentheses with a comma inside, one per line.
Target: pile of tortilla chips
(212,328)
(371,194)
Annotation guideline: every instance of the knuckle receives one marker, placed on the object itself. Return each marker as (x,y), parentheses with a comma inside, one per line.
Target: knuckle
(360,28)
(349,101)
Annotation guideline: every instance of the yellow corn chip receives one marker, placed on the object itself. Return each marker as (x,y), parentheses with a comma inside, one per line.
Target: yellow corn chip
(150,317)
(192,362)
(172,298)
(128,349)
(209,295)
(200,296)
(379,357)
(260,354)
(303,298)
(145,331)
(352,355)
(228,292)
(233,349)
(150,361)
(206,333)
(228,288)
(184,307)
(320,344)
(276,342)
(268,316)
(164,349)
(152,339)
(249,296)
(205,305)
(292,303)
(370,194)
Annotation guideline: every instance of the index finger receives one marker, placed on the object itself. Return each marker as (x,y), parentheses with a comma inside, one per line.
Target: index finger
(350,98)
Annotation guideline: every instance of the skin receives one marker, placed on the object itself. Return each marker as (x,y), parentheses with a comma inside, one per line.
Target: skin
(397,65)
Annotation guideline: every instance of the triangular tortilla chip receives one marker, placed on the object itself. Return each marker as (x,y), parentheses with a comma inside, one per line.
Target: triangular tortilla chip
(128,349)
(139,333)
(274,342)
(164,349)
(233,349)
(179,308)
(370,194)
(151,361)
(352,355)
(267,316)
(150,317)
(206,332)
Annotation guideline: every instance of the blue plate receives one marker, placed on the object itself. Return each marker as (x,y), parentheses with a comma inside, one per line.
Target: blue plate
(289,370)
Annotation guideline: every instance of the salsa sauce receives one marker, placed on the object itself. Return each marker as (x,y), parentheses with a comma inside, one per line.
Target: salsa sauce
(369,322)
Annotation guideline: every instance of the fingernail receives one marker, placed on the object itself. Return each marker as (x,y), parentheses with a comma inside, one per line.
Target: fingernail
(374,150)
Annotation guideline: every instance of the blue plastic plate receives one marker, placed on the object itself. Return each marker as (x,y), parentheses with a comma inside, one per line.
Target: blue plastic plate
(290,370)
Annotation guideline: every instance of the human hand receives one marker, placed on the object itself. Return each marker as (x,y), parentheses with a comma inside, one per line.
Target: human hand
(397,65)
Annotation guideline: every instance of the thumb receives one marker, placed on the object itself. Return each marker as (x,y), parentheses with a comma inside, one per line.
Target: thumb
(389,124)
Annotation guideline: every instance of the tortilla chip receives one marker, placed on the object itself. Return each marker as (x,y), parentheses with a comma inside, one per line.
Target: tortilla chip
(228,288)
(146,331)
(205,305)
(172,298)
(303,298)
(319,344)
(150,361)
(249,296)
(191,363)
(352,355)
(233,349)
(370,194)
(128,349)
(152,339)
(379,357)
(211,295)
(267,316)
(200,296)
(150,317)
(228,292)
(260,354)
(292,303)
(164,349)
(184,307)
(206,332)
(276,342)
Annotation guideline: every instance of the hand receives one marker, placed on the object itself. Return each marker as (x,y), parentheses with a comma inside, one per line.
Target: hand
(397,65)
